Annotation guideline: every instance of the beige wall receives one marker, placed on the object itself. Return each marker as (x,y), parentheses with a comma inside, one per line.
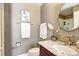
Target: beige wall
(26,44)
(2,29)
(76,8)
(13,18)
(50,14)
(0,25)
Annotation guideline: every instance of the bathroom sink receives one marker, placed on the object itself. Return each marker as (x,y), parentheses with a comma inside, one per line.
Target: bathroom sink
(64,50)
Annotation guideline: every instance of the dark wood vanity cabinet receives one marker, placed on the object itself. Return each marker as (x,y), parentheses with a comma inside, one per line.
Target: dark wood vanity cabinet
(45,52)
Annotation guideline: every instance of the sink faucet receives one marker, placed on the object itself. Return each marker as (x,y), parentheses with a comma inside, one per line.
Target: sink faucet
(54,38)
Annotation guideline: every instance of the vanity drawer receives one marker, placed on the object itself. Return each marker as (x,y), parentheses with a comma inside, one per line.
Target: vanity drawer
(45,52)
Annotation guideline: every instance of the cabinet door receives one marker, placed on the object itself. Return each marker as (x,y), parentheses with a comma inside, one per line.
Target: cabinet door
(45,52)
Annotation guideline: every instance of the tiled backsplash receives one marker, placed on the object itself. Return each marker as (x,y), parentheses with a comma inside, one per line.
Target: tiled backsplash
(66,38)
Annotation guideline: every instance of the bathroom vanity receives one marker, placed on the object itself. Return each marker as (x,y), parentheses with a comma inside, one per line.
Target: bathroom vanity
(45,49)
(45,52)
(51,48)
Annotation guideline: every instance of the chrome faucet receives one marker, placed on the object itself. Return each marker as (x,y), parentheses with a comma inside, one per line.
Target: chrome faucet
(53,37)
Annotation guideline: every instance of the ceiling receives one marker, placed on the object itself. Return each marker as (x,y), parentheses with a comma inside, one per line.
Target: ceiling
(68,5)
(67,11)
(68,8)
(37,4)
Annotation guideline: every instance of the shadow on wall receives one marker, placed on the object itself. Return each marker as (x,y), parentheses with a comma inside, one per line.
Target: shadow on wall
(7,17)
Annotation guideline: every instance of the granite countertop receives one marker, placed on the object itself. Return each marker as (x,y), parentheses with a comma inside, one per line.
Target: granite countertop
(49,43)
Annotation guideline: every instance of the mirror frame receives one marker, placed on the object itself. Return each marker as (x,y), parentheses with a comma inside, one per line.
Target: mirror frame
(59,24)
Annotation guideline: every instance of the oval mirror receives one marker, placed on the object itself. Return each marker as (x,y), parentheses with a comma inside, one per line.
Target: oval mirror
(69,17)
